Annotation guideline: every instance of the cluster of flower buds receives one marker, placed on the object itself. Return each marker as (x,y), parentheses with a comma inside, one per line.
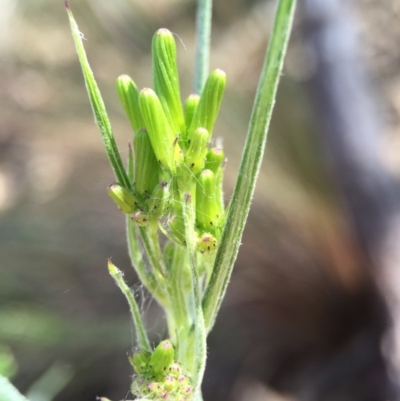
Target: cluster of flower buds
(158,377)
(171,150)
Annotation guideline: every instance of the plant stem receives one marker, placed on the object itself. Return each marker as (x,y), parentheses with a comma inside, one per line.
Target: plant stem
(203,34)
(152,246)
(142,339)
(251,161)
(200,352)
(146,277)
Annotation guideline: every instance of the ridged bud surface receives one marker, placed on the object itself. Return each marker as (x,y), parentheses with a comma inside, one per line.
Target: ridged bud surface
(124,199)
(162,138)
(210,102)
(196,152)
(166,79)
(147,169)
(129,96)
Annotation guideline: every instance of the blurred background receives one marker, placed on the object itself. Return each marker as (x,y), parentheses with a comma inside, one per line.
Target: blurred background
(303,317)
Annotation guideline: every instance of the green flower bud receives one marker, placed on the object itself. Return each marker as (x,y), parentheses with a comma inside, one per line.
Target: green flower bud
(141,218)
(208,211)
(161,135)
(124,199)
(210,102)
(183,381)
(139,360)
(129,97)
(170,383)
(214,159)
(161,359)
(147,169)
(175,370)
(190,108)
(166,79)
(158,202)
(195,155)
(155,390)
(206,243)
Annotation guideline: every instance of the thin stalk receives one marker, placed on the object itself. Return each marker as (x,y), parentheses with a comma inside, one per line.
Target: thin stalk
(200,353)
(203,34)
(251,161)
(152,246)
(142,339)
(178,290)
(146,277)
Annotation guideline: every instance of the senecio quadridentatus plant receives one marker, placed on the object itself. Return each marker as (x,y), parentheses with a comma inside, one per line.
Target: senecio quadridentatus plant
(172,195)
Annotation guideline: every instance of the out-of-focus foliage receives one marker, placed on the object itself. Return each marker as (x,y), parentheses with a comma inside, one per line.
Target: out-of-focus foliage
(58,227)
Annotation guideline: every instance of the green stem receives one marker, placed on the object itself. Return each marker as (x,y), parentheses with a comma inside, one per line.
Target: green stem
(203,34)
(178,290)
(251,161)
(150,241)
(142,339)
(200,353)
(146,277)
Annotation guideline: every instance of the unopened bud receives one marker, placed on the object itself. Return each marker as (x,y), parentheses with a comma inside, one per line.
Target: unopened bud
(170,383)
(166,79)
(158,202)
(162,137)
(141,218)
(208,211)
(147,169)
(129,97)
(124,198)
(139,360)
(175,370)
(161,359)
(214,159)
(190,108)
(210,102)
(206,243)
(195,155)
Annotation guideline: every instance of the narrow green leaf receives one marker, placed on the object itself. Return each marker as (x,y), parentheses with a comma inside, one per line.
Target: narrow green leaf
(251,161)
(98,107)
